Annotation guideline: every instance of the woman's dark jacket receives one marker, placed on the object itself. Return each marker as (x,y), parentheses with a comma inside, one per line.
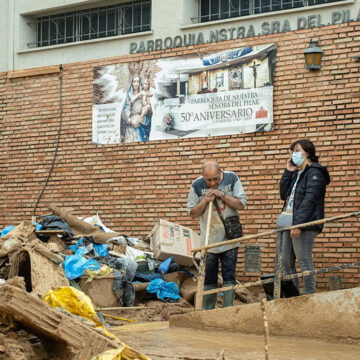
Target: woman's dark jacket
(309,194)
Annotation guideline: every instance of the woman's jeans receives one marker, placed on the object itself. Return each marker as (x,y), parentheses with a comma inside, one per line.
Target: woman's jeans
(300,249)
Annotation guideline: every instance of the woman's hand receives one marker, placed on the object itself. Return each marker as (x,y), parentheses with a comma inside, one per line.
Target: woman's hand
(295,233)
(290,166)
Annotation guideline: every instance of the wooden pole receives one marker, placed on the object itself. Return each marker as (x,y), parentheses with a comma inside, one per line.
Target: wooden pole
(284,277)
(254,236)
(201,276)
(266,328)
(278,265)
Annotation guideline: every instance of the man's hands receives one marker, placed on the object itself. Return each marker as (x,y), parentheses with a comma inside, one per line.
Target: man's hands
(213,193)
(210,196)
(234,203)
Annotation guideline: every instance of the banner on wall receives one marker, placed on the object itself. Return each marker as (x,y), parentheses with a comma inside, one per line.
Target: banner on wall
(224,93)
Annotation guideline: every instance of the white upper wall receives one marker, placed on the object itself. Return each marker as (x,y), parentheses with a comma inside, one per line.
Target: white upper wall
(170,21)
(4,34)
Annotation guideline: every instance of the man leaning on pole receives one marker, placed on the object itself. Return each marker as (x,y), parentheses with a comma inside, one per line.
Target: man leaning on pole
(224,189)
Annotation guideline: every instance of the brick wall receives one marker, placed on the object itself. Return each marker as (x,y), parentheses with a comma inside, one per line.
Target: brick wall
(133,185)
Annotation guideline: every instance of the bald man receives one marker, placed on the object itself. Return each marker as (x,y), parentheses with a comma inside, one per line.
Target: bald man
(225,188)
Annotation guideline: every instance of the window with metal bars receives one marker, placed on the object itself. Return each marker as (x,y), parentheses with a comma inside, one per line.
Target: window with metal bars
(211,10)
(120,19)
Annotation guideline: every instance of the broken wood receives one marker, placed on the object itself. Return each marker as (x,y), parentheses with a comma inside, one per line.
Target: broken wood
(147,326)
(55,244)
(117,318)
(119,308)
(39,266)
(82,227)
(80,342)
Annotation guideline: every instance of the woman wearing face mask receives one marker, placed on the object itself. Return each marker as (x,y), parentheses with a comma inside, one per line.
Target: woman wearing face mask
(302,187)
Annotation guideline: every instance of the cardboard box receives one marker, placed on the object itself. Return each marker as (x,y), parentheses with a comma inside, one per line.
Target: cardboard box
(169,239)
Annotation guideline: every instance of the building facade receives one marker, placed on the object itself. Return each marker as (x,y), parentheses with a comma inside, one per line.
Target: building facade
(123,93)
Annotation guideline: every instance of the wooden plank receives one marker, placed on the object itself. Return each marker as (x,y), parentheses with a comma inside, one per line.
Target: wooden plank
(119,308)
(50,232)
(13,74)
(146,326)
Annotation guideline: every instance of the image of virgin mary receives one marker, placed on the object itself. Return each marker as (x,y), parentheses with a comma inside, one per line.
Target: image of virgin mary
(135,119)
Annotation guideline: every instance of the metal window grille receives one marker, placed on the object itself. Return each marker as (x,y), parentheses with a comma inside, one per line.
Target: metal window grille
(211,10)
(124,18)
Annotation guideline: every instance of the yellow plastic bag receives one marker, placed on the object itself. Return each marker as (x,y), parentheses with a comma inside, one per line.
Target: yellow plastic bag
(75,302)
(124,353)
(115,354)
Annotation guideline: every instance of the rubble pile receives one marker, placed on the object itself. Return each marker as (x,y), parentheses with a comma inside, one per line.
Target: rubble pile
(127,280)
(58,251)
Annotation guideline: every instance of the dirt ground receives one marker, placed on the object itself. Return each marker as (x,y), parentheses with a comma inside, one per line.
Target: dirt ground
(190,344)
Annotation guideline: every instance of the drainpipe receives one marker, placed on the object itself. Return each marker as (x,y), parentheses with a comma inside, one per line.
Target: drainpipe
(11,37)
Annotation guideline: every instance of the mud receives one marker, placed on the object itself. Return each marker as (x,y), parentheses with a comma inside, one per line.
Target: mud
(192,344)
(17,281)
(149,311)
(20,344)
(332,315)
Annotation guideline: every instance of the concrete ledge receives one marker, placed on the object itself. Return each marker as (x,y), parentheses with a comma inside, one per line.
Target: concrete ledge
(330,315)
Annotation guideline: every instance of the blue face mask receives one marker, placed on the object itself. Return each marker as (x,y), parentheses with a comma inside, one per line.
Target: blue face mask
(297,158)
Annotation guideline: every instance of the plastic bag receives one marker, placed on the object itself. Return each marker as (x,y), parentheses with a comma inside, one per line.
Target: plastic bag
(164,266)
(6,230)
(124,353)
(96,221)
(38,226)
(166,291)
(100,249)
(115,354)
(75,265)
(136,254)
(77,303)
(73,301)
(98,274)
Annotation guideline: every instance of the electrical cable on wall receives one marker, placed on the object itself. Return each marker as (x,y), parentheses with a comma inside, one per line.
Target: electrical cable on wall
(57,143)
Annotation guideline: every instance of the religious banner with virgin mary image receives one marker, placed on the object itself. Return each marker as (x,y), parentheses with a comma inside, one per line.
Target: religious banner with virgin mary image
(225,93)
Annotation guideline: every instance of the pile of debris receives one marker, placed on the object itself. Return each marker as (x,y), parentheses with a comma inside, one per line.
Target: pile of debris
(141,280)
(116,271)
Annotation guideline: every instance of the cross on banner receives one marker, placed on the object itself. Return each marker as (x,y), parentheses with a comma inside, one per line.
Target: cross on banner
(254,66)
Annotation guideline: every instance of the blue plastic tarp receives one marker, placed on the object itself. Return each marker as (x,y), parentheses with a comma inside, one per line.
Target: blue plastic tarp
(6,230)
(75,265)
(166,291)
(10,227)
(100,249)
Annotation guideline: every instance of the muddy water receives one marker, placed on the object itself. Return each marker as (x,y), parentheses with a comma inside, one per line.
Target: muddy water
(192,344)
